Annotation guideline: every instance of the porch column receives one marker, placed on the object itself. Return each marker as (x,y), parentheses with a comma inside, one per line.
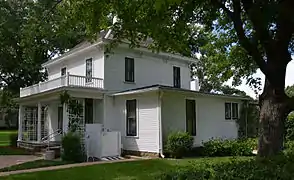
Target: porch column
(39,121)
(20,120)
(65,119)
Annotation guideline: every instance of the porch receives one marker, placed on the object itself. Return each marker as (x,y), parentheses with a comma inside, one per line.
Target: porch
(43,121)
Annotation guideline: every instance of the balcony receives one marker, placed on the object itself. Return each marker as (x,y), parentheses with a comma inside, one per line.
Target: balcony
(63,81)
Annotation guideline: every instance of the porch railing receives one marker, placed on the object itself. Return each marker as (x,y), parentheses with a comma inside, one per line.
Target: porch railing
(63,81)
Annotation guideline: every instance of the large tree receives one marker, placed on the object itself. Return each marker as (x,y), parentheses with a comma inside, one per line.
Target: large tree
(257,34)
(31,32)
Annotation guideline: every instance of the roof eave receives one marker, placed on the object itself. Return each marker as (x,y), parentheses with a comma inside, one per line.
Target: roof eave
(70,54)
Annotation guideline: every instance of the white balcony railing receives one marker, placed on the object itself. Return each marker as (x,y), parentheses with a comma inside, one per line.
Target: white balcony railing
(63,81)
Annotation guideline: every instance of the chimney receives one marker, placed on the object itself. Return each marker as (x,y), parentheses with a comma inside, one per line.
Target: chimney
(194,84)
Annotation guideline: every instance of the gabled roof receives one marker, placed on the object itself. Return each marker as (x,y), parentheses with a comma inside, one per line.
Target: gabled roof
(158,87)
(106,37)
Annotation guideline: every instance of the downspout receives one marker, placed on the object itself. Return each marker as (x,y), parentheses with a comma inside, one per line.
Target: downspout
(160,94)
(246,118)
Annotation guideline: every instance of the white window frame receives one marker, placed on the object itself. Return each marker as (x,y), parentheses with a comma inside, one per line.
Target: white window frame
(137,119)
(231,111)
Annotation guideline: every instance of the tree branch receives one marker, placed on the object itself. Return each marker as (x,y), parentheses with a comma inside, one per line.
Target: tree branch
(285,27)
(244,41)
(261,26)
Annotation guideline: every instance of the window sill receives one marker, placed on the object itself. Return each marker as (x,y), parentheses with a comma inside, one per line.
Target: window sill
(230,119)
(134,137)
(91,82)
(129,82)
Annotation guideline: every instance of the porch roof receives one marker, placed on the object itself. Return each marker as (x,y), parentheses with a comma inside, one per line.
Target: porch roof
(158,87)
(54,94)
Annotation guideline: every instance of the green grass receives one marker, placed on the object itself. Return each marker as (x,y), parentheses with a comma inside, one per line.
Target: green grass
(143,170)
(5,137)
(33,164)
(5,150)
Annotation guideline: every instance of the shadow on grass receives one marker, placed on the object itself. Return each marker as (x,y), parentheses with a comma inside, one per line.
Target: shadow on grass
(7,150)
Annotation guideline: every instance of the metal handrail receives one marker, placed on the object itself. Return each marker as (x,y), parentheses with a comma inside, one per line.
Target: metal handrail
(54,134)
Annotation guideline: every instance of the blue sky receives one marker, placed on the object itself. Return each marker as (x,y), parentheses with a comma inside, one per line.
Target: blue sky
(289,80)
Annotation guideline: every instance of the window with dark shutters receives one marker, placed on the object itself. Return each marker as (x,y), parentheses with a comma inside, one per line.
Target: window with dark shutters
(129,69)
(89,70)
(177,77)
(191,117)
(63,71)
(131,117)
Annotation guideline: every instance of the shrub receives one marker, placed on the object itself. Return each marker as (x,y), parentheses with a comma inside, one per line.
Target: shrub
(186,173)
(72,150)
(220,147)
(290,127)
(13,139)
(179,143)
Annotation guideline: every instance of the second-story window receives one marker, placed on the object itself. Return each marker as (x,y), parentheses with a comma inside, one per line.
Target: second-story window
(89,70)
(177,77)
(63,71)
(129,70)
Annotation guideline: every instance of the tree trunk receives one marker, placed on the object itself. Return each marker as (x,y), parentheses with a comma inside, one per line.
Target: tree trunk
(274,109)
(271,127)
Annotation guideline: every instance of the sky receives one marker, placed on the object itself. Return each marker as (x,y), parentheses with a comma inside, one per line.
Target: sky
(289,80)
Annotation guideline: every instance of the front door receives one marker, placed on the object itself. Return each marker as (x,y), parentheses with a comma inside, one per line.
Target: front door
(60,117)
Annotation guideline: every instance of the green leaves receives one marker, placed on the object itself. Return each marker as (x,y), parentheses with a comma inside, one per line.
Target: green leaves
(31,33)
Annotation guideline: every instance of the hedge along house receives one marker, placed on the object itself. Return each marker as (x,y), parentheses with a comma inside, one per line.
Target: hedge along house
(131,99)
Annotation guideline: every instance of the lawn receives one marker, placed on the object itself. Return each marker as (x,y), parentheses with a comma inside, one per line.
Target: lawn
(5,137)
(32,165)
(5,142)
(143,170)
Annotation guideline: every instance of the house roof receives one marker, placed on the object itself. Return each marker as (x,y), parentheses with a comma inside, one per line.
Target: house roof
(106,37)
(158,87)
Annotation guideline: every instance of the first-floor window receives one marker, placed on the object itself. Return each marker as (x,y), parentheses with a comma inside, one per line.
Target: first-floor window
(235,114)
(131,117)
(231,111)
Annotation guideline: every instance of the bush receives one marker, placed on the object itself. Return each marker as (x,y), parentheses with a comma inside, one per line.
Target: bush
(179,143)
(185,173)
(72,150)
(220,147)
(13,139)
(279,167)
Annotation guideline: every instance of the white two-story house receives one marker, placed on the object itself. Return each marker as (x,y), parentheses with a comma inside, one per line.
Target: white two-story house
(140,94)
